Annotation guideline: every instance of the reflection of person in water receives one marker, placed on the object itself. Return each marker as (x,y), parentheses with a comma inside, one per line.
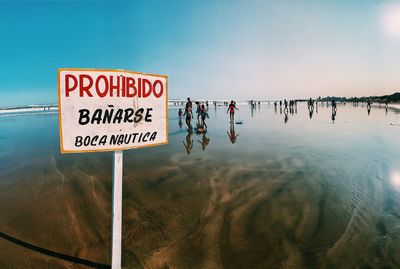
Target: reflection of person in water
(285,104)
(311,112)
(286,117)
(333,117)
(189,142)
(386,106)
(232,134)
(180,123)
(369,106)
(204,141)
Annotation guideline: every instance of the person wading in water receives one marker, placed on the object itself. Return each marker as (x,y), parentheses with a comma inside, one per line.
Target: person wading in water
(189,114)
(231,110)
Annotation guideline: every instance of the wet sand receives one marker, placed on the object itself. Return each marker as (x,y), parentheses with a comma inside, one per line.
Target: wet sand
(305,194)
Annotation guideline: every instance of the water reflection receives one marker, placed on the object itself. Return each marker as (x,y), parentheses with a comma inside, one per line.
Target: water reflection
(307,194)
(189,142)
(369,107)
(286,117)
(204,141)
(232,134)
(333,116)
(311,111)
(180,123)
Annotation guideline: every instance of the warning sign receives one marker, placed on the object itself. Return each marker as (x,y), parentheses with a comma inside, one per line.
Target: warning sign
(109,110)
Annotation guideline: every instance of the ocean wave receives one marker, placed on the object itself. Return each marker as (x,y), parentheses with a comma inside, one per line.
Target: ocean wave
(28,109)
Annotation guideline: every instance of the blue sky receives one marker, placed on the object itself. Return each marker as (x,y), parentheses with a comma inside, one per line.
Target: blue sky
(209,49)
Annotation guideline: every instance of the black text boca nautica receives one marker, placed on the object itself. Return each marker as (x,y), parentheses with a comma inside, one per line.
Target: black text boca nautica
(114,140)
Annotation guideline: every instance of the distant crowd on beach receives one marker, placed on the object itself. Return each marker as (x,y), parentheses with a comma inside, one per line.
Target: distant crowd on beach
(197,112)
(285,106)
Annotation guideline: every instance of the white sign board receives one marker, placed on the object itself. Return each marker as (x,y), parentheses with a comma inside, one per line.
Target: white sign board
(110,110)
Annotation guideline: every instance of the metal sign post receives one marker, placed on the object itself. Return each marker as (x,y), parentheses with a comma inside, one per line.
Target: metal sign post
(117,211)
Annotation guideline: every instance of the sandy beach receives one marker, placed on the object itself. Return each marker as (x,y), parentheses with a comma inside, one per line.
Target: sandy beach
(282,196)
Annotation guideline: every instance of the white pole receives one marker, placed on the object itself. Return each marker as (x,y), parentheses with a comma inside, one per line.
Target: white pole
(117,211)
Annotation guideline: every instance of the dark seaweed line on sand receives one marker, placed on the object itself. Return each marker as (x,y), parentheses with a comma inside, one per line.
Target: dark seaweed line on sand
(53,253)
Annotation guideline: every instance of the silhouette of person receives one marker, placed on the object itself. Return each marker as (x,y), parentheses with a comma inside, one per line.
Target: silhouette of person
(232,134)
(310,104)
(204,141)
(310,108)
(334,109)
(189,142)
(180,114)
(333,104)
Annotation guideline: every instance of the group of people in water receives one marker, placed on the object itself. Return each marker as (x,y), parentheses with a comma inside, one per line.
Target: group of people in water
(201,125)
(201,115)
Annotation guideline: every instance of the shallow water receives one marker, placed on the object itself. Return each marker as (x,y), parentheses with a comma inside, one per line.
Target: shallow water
(298,192)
